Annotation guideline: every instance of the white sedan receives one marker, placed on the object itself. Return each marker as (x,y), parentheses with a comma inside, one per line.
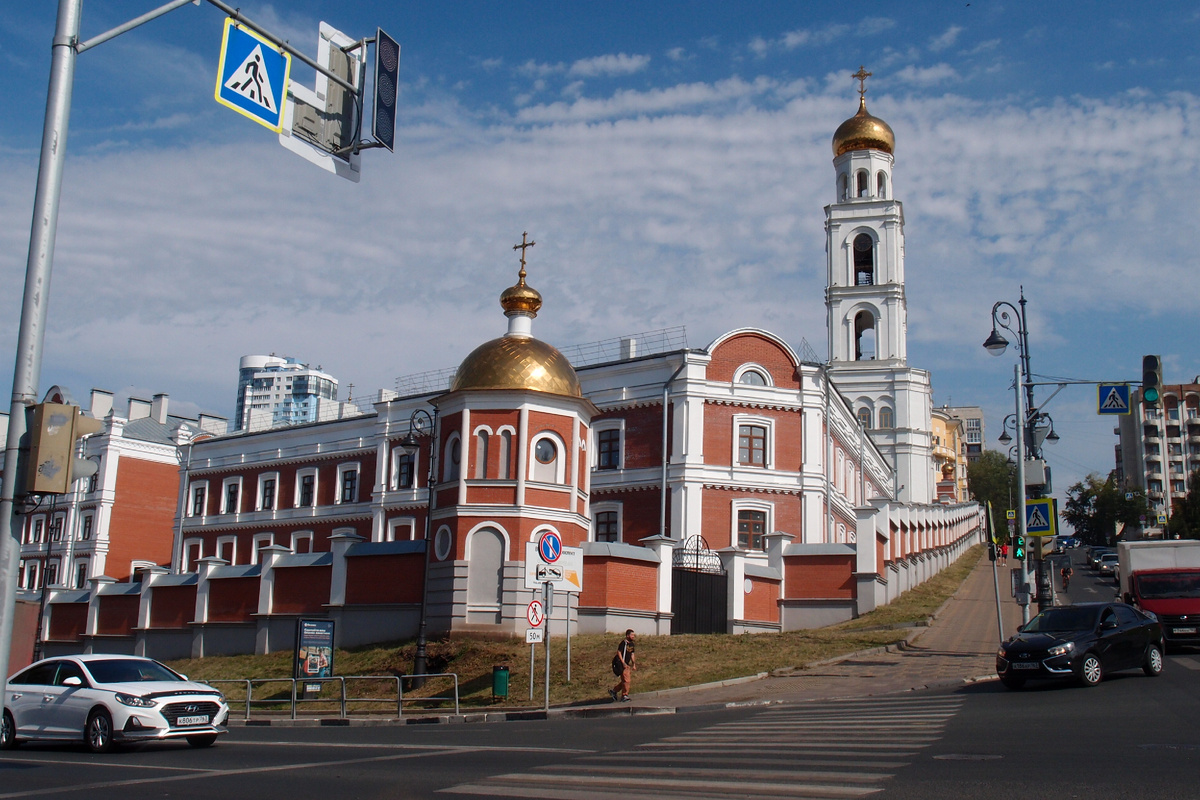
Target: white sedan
(104,699)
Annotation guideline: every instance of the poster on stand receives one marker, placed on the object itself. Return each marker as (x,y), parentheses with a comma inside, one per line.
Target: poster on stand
(314,648)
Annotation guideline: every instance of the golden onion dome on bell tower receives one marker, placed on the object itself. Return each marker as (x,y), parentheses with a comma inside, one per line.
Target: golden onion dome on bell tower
(517,360)
(863,131)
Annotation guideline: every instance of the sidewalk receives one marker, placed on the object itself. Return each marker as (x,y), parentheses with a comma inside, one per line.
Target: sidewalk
(959,645)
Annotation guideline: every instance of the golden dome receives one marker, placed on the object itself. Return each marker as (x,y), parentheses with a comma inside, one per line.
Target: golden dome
(517,362)
(863,132)
(521,297)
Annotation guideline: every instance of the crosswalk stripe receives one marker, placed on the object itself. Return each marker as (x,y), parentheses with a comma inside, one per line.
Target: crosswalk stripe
(833,750)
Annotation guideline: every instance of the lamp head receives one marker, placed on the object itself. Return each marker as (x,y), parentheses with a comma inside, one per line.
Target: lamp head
(996,344)
(410,444)
(1004,438)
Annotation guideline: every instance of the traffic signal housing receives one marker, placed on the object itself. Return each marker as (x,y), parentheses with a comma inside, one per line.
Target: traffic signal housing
(1152,380)
(1019,547)
(52,464)
(387,89)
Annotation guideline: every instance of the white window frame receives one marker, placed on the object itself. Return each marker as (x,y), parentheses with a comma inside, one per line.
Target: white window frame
(398,453)
(505,436)
(350,466)
(33,531)
(560,460)
(301,474)
(401,529)
(262,483)
(225,484)
(86,565)
(747,504)
(753,419)
(189,564)
(87,524)
(750,366)
(602,426)
(191,501)
(608,507)
(227,540)
(303,536)
(259,538)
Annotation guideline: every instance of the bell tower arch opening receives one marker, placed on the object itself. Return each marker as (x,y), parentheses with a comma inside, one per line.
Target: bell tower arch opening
(864,336)
(864,260)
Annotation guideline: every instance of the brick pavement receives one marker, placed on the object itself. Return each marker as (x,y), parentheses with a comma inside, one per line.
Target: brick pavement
(959,645)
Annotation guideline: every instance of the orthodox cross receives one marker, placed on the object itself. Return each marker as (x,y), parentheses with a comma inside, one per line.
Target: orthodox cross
(522,247)
(862,76)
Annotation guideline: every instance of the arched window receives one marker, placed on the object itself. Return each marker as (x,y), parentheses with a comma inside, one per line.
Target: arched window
(864,417)
(864,260)
(844,187)
(481,453)
(753,378)
(887,418)
(881,185)
(547,462)
(864,336)
(505,455)
(862,183)
(453,458)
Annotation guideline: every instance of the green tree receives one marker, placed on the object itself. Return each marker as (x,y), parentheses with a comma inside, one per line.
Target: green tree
(1185,511)
(1095,506)
(993,478)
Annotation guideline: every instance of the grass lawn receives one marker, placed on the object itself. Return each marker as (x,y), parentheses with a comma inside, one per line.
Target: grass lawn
(664,662)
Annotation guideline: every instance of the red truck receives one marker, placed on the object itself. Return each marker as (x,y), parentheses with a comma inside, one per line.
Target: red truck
(1163,577)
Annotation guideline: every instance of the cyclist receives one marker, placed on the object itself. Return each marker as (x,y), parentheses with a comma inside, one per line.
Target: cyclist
(1066,573)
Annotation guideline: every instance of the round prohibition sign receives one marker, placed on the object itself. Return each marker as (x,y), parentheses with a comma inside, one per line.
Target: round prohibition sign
(550,547)
(535,613)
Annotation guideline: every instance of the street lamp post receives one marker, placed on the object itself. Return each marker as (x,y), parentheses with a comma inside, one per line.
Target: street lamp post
(420,425)
(1032,426)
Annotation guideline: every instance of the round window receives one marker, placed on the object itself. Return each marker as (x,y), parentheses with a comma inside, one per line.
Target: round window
(441,544)
(544,451)
(753,378)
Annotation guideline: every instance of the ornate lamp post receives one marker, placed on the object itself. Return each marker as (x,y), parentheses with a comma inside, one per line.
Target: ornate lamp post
(421,424)
(1032,426)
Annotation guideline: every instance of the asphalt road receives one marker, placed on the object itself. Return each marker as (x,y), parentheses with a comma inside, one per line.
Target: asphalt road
(1130,737)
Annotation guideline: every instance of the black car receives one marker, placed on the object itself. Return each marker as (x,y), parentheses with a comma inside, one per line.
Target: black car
(1083,642)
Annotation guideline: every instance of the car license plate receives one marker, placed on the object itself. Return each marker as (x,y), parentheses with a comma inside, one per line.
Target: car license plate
(1191,631)
(1025,665)
(197,720)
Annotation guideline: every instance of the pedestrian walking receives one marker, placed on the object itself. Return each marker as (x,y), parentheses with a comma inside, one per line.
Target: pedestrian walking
(626,662)
(1003,555)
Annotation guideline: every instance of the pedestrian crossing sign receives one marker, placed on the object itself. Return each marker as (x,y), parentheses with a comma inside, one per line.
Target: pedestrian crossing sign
(253,76)
(1112,398)
(1040,517)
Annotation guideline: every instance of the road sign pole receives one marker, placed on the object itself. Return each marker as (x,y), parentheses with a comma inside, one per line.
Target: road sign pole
(1021,481)
(532,667)
(547,594)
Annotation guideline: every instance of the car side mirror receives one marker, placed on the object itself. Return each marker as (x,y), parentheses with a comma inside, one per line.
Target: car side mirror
(1108,624)
(72,681)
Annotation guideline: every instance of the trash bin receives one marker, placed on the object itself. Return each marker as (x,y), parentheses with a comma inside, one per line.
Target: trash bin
(499,682)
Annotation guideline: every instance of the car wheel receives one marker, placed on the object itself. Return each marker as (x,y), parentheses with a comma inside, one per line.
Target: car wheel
(1012,683)
(8,732)
(98,733)
(1154,661)
(1091,671)
(206,740)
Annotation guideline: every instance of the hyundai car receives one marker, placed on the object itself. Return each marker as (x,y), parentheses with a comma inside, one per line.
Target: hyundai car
(104,700)
(1081,642)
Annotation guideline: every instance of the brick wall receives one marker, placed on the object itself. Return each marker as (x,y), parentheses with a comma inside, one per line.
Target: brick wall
(820,577)
(762,605)
(619,583)
(384,579)
(233,599)
(301,590)
(117,614)
(142,523)
(756,348)
(172,606)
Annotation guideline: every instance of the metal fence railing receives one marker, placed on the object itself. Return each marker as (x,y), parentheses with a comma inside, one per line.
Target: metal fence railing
(295,692)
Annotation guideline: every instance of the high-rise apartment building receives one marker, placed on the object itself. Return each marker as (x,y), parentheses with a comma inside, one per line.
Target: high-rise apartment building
(274,391)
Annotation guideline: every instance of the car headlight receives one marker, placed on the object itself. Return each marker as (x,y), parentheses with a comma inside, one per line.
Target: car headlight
(1062,649)
(1002,653)
(133,700)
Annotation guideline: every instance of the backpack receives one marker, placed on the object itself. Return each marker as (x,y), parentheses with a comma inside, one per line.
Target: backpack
(618,665)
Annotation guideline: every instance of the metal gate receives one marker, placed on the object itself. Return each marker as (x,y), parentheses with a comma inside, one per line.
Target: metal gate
(699,589)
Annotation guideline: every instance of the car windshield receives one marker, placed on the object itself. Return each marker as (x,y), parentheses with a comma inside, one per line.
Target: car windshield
(1067,618)
(1163,587)
(129,670)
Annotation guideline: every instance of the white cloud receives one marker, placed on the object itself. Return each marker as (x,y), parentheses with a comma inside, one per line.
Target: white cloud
(946,39)
(607,65)
(927,76)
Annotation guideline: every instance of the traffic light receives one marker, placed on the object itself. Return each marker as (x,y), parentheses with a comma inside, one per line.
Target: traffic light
(1039,548)
(52,436)
(991,551)
(387,89)
(1151,380)
(1019,547)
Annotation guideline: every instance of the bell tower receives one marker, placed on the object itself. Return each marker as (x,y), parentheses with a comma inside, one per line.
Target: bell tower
(866,304)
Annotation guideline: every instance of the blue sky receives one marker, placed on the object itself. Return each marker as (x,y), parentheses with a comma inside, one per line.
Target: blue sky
(671,159)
